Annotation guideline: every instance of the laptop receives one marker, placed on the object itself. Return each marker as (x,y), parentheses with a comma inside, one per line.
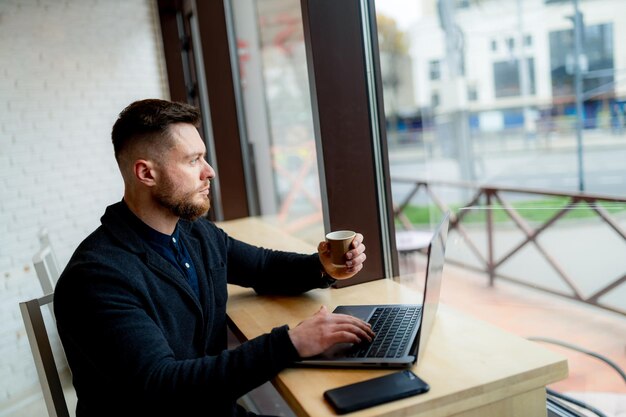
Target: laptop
(402,330)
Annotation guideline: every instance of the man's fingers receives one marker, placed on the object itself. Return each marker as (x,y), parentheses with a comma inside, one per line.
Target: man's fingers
(325,329)
(358,239)
(322,310)
(355,325)
(346,335)
(348,318)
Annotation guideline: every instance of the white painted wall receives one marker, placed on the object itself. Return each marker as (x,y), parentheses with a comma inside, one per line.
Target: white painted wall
(67,68)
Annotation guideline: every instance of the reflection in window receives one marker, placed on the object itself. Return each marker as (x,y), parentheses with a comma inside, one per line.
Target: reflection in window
(395,67)
(275,88)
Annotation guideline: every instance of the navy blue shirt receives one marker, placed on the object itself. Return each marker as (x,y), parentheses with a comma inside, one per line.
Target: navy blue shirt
(173,249)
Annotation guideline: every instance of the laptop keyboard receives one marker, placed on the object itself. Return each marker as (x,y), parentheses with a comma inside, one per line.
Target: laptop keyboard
(393,327)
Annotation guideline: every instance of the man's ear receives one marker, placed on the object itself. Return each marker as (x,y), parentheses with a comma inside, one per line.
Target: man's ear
(145,172)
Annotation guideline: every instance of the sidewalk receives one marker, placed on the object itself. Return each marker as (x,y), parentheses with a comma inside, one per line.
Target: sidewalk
(555,142)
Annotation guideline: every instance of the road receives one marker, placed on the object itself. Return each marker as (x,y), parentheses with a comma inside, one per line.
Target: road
(546,168)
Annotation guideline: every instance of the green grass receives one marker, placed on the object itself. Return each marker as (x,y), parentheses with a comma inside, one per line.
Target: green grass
(532,211)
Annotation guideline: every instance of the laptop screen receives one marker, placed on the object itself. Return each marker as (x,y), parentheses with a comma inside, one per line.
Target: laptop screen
(432,284)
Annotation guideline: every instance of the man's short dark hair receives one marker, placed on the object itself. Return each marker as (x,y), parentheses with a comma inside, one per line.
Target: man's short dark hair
(148,120)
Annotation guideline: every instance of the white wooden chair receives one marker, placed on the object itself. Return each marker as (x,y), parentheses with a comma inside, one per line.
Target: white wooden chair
(48,273)
(46,264)
(45,362)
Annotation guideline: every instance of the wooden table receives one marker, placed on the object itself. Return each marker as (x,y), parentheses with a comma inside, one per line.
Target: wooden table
(474,369)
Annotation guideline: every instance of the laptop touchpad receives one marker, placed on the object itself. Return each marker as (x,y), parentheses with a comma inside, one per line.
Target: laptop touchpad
(360,312)
(337,351)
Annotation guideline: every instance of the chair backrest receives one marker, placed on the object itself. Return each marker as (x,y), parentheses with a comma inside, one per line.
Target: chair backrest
(45,363)
(46,264)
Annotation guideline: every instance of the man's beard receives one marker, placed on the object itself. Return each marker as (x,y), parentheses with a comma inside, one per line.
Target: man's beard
(181,206)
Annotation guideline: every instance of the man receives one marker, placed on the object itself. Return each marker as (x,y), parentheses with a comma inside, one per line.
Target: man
(141,305)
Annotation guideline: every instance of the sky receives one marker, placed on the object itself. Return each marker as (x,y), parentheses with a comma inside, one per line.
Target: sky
(404,12)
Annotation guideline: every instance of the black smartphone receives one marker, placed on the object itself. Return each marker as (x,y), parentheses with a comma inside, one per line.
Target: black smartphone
(375,391)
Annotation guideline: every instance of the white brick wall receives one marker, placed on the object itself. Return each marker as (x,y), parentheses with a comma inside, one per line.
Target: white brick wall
(67,68)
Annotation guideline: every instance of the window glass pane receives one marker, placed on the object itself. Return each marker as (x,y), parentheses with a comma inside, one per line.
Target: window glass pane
(597,55)
(528,40)
(506,78)
(435,70)
(510,43)
(277,104)
(494,137)
(472,94)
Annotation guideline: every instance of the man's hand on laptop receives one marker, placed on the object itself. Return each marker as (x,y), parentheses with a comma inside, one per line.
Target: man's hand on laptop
(354,259)
(324,329)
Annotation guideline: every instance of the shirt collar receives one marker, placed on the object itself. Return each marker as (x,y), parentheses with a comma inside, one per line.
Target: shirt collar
(151,235)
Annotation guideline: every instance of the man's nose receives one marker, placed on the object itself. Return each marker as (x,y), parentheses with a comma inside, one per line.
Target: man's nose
(208,171)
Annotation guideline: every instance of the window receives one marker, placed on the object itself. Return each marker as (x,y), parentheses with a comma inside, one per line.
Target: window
(277,104)
(506,77)
(598,55)
(510,43)
(528,40)
(472,93)
(490,135)
(476,147)
(434,68)
(434,99)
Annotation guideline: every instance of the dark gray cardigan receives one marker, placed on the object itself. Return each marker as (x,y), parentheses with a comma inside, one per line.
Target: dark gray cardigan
(139,342)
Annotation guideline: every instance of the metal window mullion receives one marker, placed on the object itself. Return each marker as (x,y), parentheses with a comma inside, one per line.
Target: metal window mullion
(381,201)
(249,178)
(207,124)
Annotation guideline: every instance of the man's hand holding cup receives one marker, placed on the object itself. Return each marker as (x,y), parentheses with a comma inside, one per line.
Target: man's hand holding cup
(342,253)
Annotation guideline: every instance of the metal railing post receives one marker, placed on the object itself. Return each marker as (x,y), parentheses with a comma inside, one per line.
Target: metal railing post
(490,264)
